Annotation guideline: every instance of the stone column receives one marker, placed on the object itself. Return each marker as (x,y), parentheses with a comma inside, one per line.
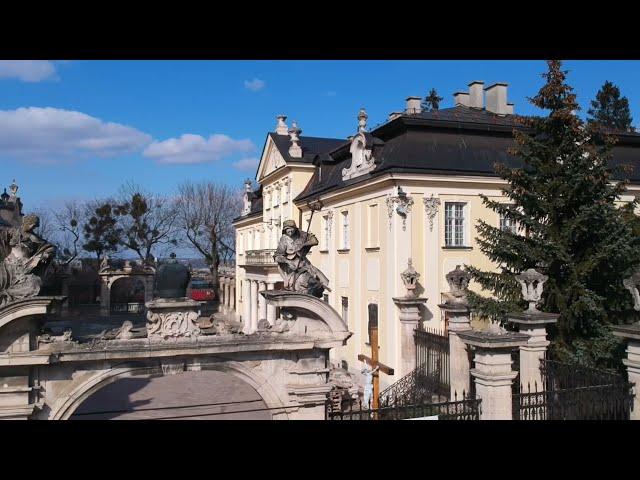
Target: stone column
(409,320)
(246,306)
(271,309)
(254,306)
(493,374)
(534,326)
(64,279)
(459,368)
(631,333)
(221,295)
(105,297)
(262,304)
(232,295)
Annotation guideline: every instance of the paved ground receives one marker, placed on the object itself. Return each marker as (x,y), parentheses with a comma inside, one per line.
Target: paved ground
(205,395)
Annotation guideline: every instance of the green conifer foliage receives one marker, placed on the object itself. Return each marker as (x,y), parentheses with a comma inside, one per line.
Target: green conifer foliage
(562,199)
(609,109)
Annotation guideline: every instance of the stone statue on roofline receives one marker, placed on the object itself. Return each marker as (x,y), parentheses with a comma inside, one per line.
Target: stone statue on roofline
(24,259)
(291,256)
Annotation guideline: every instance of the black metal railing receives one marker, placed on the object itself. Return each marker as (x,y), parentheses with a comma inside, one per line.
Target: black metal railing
(463,409)
(259,257)
(430,379)
(432,357)
(574,392)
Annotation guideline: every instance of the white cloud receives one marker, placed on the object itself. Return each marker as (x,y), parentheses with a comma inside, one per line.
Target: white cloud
(254,85)
(27,70)
(51,135)
(246,164)
(196,149)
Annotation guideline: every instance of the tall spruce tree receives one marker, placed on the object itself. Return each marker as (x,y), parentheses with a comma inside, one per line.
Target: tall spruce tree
(609,109)
(562,199)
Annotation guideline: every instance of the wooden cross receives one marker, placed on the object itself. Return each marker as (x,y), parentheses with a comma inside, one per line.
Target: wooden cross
(373,360)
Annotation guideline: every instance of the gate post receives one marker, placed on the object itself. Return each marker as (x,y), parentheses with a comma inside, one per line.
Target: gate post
(632,334)
(459,320)
(493,375)
(457,314)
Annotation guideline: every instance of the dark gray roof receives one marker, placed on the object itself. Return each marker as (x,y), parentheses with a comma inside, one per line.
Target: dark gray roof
(311,146)
(457,140)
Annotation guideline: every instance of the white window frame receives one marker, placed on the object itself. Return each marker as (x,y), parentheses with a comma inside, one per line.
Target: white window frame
(345,238)
(326,239)
(451,237)
(344,311)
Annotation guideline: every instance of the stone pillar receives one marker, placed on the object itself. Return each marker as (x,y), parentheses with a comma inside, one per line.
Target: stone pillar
(64,280)
(232,295)
(246,306)
(459,368)
(227,294)
(534,326)
(262,304)
(632,334)
(493,374)
(105,297)
(271,309)
(409,320)
(254,306)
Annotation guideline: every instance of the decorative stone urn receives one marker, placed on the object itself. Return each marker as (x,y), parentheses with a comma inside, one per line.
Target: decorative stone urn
(172,316)
(410,279)
(458,281)
(532,283)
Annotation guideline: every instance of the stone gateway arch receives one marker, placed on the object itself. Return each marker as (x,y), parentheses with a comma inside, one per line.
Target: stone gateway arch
(48,376)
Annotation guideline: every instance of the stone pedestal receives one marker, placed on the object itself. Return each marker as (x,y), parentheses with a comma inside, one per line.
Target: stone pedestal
(493,374)
(409,320)
(632,334)
(459,321)
(271,310)
(534,325)
(172,319)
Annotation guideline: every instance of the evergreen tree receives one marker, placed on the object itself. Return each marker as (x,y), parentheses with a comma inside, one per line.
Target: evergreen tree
(432,101)
(562,199)
(609,109)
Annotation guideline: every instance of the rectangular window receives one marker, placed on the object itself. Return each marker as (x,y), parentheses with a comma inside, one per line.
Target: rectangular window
(325,233)
(507,224)
(454,224)
(372,230)
(345,231)
(345,310)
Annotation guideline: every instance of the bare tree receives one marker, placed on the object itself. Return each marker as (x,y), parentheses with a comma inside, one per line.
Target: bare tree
(68,221)
(204,215)
(147,220)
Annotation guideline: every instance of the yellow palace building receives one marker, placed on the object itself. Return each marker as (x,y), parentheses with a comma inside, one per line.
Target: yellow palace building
(405,190)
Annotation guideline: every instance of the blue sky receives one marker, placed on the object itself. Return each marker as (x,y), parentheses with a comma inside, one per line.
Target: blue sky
(79,129)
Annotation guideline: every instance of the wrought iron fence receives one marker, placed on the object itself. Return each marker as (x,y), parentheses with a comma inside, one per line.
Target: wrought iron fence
(432,357)
(431,376)
(574,392)
(463,409)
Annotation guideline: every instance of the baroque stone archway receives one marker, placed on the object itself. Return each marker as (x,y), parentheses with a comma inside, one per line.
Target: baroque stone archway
(49,375)
(110,274)
(85,387)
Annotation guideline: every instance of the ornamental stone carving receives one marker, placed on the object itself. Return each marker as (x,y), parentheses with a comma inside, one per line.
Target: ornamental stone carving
(361,150)
(410,279)
(632,283)
(401,204)
(458,281)
(532,283)
(431,207)
(172,319)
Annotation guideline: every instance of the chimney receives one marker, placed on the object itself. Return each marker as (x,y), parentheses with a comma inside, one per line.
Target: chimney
(461,98)
(413,105)
(476,94)
(497,99)
(394,115)
(509,108)
(281,127)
